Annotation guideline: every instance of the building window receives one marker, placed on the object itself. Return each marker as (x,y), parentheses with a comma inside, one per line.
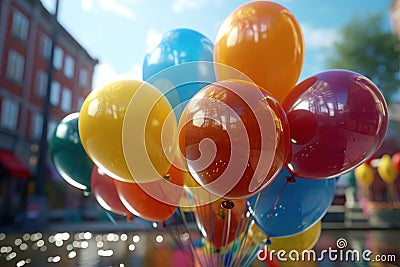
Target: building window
(66,99)
(58,58)
(80,103)
(41,83)
(37,125)
(45,46)
(20,26)
(55,93)
(15,66)
(69,66)
(83,78)
(51,126)
(9,114)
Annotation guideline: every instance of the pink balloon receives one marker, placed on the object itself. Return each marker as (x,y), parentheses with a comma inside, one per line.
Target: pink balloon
(338,120)
(105,192)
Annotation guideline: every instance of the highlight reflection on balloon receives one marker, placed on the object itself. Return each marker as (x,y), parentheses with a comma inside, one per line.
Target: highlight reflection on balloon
(263,40)
(338,119)
(234,137)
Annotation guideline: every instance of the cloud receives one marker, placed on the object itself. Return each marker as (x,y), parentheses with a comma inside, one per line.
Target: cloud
(182,5)
(319,38)
(121,8)
(105,73)
(87,5)
(153,38)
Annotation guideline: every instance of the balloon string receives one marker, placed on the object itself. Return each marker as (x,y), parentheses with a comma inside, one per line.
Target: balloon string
(111,218)
(180,234)
(176,239)
(190,241)
(244,222)
(254,252)
(291,180)
(208,253)
(227,233)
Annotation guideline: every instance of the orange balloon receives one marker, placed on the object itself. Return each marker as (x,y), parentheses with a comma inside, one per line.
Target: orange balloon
(153,201)
(234,137)
(214,221)
(264,41)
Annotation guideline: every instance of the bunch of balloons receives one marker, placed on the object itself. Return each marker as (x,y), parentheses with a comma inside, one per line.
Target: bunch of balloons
(386,169)
(225,127)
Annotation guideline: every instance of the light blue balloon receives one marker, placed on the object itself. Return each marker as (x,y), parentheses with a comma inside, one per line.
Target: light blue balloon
(299,206)
(180,66)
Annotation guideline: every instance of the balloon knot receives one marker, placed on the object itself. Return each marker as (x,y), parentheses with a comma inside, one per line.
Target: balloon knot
(167,178)
(291,179)
(269,242)
(227,204)
(130,218)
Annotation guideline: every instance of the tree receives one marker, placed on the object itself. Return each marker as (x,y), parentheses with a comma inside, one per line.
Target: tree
(366,48)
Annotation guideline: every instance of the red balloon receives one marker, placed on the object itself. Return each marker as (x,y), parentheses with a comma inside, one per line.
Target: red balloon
(153,201)
(338,120)
(214,221)
(104,191)
(235,138)
(396,161)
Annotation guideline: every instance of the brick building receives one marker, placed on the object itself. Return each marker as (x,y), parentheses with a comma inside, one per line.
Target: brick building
(26,29)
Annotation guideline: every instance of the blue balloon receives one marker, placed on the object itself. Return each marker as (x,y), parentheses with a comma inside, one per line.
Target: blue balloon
(180,66)
(299,206)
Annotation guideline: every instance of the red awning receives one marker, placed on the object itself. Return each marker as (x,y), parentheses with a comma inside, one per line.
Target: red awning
(13,165)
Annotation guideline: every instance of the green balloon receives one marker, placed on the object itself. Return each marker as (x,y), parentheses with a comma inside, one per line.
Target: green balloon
(68,155)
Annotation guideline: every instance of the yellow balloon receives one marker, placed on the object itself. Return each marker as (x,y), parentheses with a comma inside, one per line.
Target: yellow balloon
(303,241)
(106,135)
(364,174)
(299,242)
(386,169)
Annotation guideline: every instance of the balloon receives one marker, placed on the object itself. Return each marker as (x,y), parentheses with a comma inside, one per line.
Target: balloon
(198,195)
(284,209)
(263,40)
(120,127)
(220,225)
(386,170)
(364,174)
(180,65)
(338,120)
(396,161)
(234,138)
(305,240)
(104,191)
(153,201)
(67,153)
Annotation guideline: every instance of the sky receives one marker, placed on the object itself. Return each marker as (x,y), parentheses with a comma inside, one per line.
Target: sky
(120,32)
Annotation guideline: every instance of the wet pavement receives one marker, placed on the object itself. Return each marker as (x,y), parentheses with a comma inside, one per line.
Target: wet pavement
(121,246)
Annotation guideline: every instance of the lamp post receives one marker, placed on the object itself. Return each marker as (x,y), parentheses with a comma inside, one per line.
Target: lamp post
(41,171)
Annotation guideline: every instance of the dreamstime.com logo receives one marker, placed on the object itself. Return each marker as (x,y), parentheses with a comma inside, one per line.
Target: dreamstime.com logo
(340,253)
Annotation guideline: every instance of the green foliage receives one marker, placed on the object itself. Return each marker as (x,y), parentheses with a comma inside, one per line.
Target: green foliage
(366,48)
